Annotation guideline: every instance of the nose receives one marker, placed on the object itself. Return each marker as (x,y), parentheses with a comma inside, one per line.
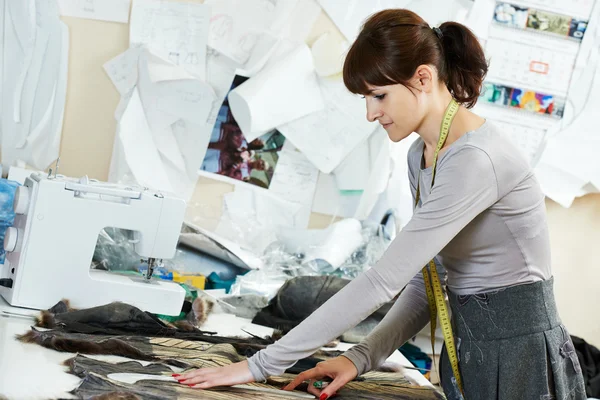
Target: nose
(373,111)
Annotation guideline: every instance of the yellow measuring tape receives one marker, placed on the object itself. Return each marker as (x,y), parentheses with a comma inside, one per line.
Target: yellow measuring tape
(433,287)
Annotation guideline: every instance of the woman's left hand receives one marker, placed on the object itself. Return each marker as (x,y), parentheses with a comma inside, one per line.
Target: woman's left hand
(229,375)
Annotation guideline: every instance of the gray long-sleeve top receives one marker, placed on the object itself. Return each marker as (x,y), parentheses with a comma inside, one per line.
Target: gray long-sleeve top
(484,221)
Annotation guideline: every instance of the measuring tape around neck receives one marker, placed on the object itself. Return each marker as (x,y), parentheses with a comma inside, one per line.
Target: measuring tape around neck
(433,287)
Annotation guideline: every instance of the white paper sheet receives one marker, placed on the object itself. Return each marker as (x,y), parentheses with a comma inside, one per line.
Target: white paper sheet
(177,32)
(184,97)
(3,45)
(379,173)
(350,15)
(251,218)
(301,20)
(569,167)
(139,148)
(122,70)
(397,195)
(479,17)
(295,178)
(283,92)
(353,171)
(328,136)
(219,245)
(236,26)
(329,200)
(328,54)
(180,126)
(34,86)
(105,10)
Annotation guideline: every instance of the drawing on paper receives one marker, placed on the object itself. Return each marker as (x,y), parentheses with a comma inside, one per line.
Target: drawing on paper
(229,153)
(536,20)
(89,6)
(528,100)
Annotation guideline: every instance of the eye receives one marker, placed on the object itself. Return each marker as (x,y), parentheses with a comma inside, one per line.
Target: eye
(379,96)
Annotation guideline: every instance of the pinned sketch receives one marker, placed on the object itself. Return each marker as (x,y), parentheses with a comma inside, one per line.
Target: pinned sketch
(174,120)
(104,10)
(177,32)
(237,27)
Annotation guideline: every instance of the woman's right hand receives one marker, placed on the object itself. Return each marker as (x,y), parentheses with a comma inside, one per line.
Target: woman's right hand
(340,369)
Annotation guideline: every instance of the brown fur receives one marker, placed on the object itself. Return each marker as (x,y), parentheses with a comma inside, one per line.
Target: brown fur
(184,325)
(108,346)
(45,320)
(68,304)
(201,308)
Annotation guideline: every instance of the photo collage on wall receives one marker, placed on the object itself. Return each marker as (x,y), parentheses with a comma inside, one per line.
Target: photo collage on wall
(523,99)
(540,21)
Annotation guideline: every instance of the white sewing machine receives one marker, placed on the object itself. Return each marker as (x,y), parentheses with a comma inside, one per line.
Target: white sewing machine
(50,246)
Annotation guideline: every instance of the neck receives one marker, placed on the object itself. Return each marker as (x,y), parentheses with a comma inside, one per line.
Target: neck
(429,130)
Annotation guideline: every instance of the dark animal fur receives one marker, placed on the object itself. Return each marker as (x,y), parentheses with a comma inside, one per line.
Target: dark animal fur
(108,346)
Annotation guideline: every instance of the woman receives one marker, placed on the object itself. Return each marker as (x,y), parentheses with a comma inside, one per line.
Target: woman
(480,213)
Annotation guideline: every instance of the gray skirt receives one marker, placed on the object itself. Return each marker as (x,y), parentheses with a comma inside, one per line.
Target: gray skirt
(511,344)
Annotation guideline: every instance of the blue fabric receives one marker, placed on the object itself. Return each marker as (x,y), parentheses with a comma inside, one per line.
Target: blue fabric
(7,214)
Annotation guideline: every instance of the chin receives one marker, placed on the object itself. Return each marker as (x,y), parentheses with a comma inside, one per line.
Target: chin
(396,137)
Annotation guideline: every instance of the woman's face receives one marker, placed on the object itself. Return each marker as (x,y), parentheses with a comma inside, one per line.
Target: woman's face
(399,109)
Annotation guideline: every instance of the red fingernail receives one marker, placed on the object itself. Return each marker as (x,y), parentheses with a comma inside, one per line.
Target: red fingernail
(175,375)
(323,396)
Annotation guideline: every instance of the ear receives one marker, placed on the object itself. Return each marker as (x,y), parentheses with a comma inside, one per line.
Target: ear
(423,78)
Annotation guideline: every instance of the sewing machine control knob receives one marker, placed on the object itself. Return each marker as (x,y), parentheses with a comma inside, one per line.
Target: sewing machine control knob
(21,201)
(10,238)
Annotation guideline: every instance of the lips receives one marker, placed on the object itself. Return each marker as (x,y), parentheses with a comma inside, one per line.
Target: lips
(386,125)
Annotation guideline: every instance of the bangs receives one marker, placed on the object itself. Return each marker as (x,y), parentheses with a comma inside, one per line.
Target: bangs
(366,66)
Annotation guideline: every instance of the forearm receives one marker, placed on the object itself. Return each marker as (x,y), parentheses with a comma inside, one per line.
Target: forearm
(405,319)
(359,299)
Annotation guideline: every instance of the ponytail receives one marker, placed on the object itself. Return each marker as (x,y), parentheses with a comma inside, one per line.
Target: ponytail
(465,63)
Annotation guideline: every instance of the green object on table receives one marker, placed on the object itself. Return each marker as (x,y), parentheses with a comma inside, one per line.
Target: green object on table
(191,294)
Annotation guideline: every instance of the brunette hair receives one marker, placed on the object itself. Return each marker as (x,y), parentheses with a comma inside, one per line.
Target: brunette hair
(394,42)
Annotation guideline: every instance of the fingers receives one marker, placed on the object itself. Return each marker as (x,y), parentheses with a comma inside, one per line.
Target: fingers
(193,377)
(333,387)
(205,378)
(313,390)
(303,376)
